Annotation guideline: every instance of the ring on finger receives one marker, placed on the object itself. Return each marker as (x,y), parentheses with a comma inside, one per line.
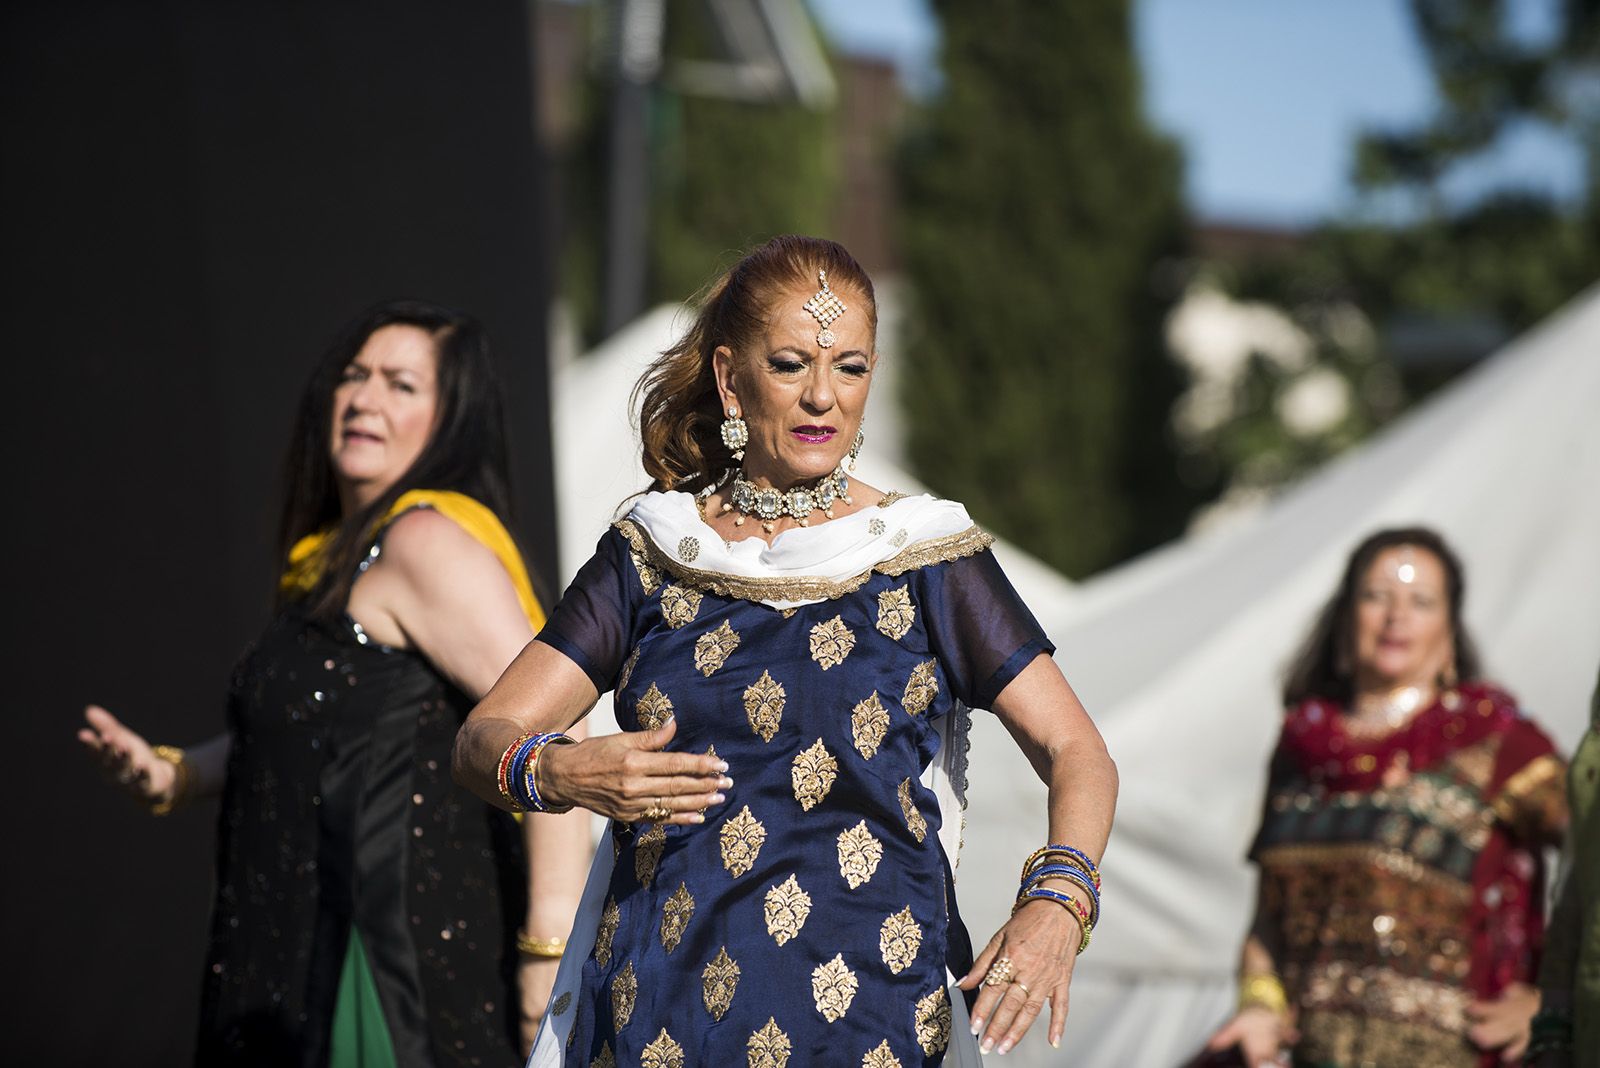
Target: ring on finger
(1023,987)
(1000,972)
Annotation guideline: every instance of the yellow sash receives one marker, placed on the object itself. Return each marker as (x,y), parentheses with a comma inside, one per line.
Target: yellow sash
(305,565)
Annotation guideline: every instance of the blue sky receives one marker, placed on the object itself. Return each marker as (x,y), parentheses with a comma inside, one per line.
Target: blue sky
(1265,95)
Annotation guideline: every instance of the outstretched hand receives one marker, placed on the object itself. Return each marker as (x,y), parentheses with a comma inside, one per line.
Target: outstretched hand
(626,776)
(126,759)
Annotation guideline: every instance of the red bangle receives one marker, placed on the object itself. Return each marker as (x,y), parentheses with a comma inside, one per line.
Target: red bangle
(503,776)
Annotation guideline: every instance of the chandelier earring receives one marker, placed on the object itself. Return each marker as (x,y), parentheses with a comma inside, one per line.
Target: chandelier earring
(854,455)
(735,433)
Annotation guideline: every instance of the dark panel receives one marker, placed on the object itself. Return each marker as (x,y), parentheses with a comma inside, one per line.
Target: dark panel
(194,200)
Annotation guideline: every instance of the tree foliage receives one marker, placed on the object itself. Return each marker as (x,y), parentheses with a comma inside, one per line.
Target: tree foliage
(730,174)
(725,174)
(1038,208)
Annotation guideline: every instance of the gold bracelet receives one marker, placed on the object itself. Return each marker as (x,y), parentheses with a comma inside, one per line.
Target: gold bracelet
(549,948)
(180,779)
(1265,991)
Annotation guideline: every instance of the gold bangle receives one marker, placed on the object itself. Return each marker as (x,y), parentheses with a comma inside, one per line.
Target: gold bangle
(180,779)
(549,948)
(1265,991)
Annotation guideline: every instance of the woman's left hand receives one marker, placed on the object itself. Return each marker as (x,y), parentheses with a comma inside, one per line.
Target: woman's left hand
(536,977)
(1041,942)
(1502,1024)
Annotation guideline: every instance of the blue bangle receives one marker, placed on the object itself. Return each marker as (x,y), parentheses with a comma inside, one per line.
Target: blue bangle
(1063,871)
(515,777)
(1075,876)
(1094,872)
(530,771)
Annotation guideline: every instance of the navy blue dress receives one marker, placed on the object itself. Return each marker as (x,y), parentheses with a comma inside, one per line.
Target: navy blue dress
(812,917)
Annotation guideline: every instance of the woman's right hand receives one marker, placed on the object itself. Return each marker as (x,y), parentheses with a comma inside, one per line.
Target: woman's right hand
(126,758)
(625,775)
(1261,1034)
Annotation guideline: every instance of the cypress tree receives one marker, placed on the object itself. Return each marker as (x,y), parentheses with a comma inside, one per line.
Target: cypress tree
(1038,208)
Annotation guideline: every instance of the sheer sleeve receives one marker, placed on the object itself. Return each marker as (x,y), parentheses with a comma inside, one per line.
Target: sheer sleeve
(979,628)
(592,623)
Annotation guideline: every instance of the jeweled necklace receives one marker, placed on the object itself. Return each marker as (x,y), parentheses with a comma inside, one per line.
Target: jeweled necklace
(770,504)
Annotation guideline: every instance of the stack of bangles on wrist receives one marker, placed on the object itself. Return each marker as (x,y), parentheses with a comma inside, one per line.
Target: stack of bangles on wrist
(1550,1032)
(1073,865)
(518,776)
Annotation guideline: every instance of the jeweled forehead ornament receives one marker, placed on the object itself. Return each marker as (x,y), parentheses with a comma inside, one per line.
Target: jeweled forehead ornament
(1405,566)
(825,306)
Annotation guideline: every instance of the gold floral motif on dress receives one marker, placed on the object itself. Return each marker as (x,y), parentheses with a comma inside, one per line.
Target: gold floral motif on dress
(914,821)
(763,704)
(675,915)
(610,917)
(662,1053)
(833,988)
(627,669)
(604,1058)
(624,995)
(899,939)
(711,649)
(869,722)
(786,909)
(679,606)
(649,577)
(859,854)
(896,613)
(921,688)
(718,983)
(647,853)
(768,1047)
(742,838)
(653,709)
(880,1056)
(812,775)
(831,642)
(562,1003)
(933,1021)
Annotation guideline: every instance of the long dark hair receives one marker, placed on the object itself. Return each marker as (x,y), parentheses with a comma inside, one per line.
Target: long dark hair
(466,451)
(1325,665)
(679,411)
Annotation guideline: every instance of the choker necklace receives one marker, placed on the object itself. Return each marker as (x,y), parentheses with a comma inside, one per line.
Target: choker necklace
(769,504)
(1392,708)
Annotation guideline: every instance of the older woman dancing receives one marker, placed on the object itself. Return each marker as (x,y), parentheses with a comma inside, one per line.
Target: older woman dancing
(1399,914)
(792,654)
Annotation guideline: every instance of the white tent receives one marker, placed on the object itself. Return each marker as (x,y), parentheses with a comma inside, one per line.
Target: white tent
(1178,654)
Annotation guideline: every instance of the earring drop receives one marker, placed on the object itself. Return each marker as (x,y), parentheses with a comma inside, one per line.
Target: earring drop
(735,433)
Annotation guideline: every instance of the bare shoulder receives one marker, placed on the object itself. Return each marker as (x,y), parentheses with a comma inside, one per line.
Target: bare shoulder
(424,541)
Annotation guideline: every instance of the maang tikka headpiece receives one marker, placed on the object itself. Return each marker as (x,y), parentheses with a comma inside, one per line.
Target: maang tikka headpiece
(825,306)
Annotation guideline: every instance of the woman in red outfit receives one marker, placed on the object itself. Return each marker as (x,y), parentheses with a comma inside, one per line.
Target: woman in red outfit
(1399,913)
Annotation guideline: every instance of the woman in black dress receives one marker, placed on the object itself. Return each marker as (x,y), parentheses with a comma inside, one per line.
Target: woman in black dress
(368,910)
